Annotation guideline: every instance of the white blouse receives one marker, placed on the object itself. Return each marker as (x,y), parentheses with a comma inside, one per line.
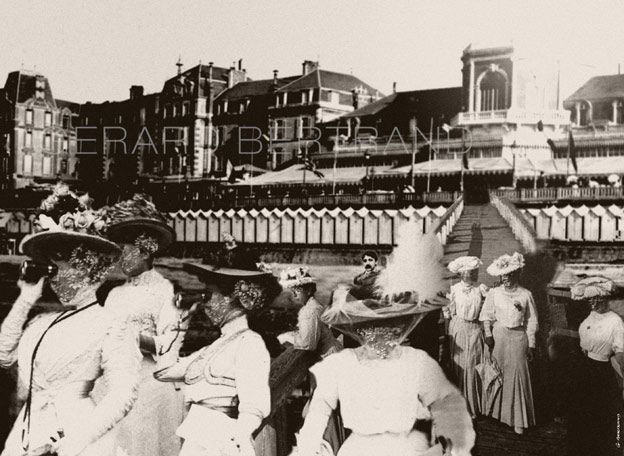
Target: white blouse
(239,366)
(602,335)
(512,309)
(73,354)
(147,301)
(466,302)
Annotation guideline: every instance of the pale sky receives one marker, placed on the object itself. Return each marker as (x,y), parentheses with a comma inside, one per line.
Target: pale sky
(95,50)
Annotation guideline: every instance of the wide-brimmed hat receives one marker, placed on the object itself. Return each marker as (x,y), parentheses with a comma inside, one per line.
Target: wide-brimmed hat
(296,277)
(136,217)
(506,264)
(66,222)
(591,287)
(464,263)
(409,287)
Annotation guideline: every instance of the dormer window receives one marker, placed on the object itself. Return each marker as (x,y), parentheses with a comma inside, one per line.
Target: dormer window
(65,121)
(492,91)
(305,97)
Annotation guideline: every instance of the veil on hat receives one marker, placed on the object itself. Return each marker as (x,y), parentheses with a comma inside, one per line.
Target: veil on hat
(411,285)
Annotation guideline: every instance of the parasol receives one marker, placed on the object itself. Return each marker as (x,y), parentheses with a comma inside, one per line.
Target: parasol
(572,178)
(613,178)
(492,381)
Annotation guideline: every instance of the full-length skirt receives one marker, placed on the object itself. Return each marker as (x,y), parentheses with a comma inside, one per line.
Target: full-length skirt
(466,351)
(514,405)
(150,427)
(594,410)
(413,443)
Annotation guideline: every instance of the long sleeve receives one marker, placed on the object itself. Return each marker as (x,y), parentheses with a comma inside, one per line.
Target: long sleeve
(308,333)
(530,320)
(121,362)
(11,332)
(324,401)
(451,418)
(170,329)
(449,311)
(252,366)
(488,313)
(176,371)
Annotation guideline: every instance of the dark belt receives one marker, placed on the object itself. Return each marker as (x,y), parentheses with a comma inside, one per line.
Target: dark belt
(230,411)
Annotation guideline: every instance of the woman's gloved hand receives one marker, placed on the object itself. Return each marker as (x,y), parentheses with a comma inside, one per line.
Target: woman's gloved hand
(30,292)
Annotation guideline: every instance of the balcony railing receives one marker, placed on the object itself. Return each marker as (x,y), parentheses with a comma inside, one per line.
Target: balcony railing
(551,194)
(510,116)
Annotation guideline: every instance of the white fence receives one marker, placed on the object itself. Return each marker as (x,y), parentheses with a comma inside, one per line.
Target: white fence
(595,223)
(303,226)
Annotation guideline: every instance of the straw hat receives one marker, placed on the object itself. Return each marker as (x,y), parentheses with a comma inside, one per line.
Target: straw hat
(66,222)
(591,287)
(464,263)
(296,277)
(506,264)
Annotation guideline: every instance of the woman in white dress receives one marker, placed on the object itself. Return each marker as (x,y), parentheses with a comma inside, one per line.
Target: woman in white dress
(311,334)
(383,387)
(60,355)
(596,404)
(227,382)
(510,309)
(465,334)
(146,300)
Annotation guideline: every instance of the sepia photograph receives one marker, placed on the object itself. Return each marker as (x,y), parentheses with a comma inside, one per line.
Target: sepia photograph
(288,228)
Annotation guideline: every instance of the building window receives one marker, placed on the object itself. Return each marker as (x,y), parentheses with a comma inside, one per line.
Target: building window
(47,165)
(28,141)
(493,92)
(65,145)
(185,108)
(63,168)
(277,99)
(47,141)
(279,129)
(27,164)
(619,112)
(176,110)
(65,121)
(305,97)
(142,115)
(29,117)
(167,110)
(306,124)
(47,119)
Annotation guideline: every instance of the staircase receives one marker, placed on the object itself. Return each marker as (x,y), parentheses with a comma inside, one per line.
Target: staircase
(482,232)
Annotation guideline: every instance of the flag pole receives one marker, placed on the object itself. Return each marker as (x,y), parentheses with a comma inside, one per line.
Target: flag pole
(568,159)
(414,149)
(429,171)
(336,141)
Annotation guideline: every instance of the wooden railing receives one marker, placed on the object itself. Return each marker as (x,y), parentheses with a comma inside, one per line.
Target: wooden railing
(365,199)
(551,194)
(445,224)
(521,228)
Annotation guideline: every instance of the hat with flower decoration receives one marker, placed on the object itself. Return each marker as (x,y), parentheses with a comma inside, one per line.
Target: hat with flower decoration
(137,221)
(506,264)
(464,263)
(409,287)
(591,287)
(67,221)
(296,277)
(254,283)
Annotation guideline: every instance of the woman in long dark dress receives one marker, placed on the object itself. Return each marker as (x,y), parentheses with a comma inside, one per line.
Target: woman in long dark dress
(596,404)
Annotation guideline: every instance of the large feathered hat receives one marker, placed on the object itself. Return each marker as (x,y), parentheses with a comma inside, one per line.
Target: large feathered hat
(591,287)
(138,219)
(506,264)
(296,277)
(67,221)
(411,285)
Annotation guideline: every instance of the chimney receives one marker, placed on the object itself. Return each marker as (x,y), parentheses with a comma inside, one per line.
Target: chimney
(240,64)
(394,87)
(275,77)
(244,75)
(231,77)
(309,66)
(136,92)
(210,71)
